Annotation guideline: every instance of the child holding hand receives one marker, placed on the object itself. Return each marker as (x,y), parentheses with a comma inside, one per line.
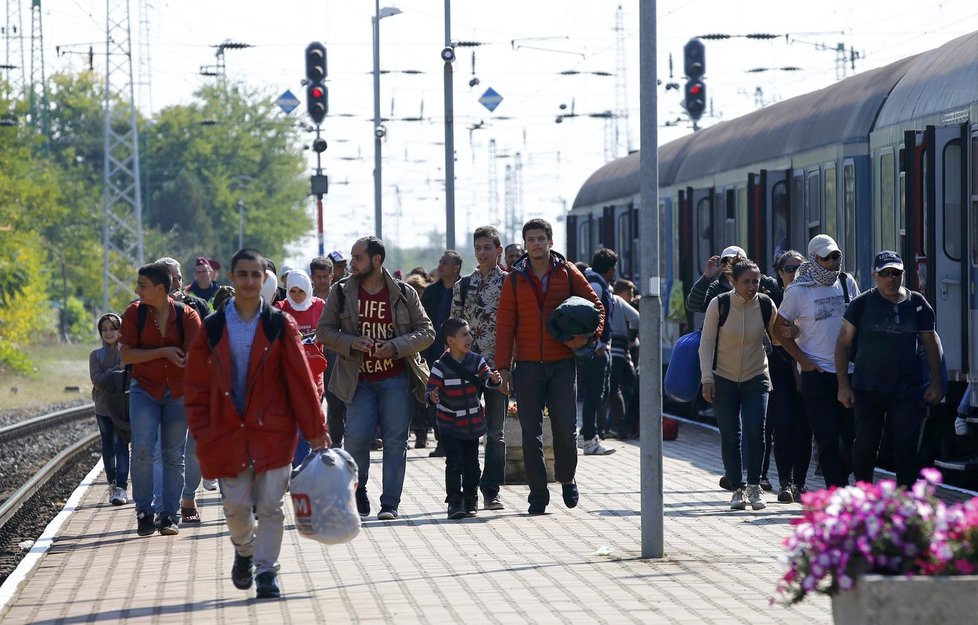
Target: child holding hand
(455,388)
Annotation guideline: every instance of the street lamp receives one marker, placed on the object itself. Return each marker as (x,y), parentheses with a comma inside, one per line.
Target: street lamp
(379,130)
(240,183)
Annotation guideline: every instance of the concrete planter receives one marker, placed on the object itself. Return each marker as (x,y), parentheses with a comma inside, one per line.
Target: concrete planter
(515,471)
(901,600)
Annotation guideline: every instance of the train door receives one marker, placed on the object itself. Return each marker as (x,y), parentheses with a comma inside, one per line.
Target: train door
(705,235)
(778,194)
(757,220)
(935,191)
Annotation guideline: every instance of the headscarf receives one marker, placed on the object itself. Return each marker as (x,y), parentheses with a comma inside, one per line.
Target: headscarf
(811,274)
(299,278)
(269,287)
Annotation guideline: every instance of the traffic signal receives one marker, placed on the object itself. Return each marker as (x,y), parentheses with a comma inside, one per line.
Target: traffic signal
(694,64)
(317,102)
(695,102)
(317,96)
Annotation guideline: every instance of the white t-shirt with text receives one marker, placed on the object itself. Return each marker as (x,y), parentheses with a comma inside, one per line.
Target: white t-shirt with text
(817,311)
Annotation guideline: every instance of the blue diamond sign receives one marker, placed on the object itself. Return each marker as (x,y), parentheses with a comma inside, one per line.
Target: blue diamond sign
(287,102)
(490,99)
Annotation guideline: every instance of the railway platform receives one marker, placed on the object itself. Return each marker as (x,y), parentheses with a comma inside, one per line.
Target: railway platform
(499,567)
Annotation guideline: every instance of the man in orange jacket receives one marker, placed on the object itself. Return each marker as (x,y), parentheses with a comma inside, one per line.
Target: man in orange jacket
(546,374)
(248,388)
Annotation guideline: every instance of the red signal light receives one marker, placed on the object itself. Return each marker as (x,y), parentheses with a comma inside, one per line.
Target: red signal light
(696,89)
(317,92)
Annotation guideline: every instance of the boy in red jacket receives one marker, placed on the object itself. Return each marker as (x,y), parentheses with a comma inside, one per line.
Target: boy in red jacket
(248,387)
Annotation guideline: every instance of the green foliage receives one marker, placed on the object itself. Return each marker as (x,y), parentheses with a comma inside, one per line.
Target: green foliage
(14,360)
(78,322)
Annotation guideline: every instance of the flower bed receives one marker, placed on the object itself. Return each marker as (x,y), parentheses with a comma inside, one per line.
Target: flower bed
(877,529)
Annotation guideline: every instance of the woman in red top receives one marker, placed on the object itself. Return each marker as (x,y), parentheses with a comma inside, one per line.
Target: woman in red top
(156,333)
(305,308)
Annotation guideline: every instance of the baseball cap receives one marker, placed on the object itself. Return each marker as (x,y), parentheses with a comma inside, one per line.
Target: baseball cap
(886,259)
(733,250)
(337,256)
(822,245)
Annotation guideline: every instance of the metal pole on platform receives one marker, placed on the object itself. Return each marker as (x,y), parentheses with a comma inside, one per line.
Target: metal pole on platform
(449,134)
(650,325)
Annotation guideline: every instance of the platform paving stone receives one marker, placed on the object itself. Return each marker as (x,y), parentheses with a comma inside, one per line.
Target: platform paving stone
(499,567)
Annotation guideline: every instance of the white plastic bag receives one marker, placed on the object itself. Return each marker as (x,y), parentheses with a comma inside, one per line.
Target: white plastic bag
(323,497)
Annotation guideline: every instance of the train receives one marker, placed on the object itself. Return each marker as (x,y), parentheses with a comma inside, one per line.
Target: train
(886,159)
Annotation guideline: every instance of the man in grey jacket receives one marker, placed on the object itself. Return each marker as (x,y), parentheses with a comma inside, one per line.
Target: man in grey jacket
(377,329)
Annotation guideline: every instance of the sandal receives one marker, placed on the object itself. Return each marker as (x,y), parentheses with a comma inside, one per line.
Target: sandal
(190,515)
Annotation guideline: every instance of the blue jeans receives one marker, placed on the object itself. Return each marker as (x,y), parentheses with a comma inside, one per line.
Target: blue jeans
(595,379)
(115,453)
(386,403)
(552,384)
(191,480)
(164,420)
(740,409)
(492,475)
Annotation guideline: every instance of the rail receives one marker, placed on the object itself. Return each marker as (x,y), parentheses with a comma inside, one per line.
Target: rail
(45,422)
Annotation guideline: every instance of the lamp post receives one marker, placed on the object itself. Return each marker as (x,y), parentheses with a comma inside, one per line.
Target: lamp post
(240,183)
(448,56)
(379,130)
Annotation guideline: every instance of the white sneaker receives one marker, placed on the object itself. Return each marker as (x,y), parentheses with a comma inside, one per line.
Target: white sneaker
(594,448)
(210,484)
(118,496)
(754,496)
(739,500)
(960,426)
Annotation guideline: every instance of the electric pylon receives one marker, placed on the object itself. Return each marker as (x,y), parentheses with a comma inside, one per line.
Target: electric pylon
(622,129)
(39,86)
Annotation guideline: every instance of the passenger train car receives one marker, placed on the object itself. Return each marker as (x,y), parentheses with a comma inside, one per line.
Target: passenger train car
(887,159)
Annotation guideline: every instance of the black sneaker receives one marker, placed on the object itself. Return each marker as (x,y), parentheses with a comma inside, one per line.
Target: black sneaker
(387,513)
(537,509)
(456,510)
(766,484)
(786,495)
(243,572)
(268,585)
(471,505)
(494,503)
(144,524)
(725,483)
(168,526)
(571,494)
(437,452)
(363,503)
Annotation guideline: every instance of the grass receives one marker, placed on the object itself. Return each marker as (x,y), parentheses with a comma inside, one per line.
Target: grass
(57,366)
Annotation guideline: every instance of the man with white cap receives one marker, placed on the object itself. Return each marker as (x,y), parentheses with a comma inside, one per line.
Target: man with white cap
(812,310)
(716,279)
(888,322)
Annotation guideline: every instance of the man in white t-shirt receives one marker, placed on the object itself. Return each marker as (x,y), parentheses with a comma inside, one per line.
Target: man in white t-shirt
(814,304)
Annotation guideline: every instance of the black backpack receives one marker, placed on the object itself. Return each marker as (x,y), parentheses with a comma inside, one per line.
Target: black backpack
(272,323)
(341,296)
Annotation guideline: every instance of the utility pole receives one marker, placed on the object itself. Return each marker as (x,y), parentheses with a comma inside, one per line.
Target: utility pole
(39,85)
(13,65)
(448,56)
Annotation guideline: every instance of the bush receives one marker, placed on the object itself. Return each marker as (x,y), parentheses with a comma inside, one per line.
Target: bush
(14,360)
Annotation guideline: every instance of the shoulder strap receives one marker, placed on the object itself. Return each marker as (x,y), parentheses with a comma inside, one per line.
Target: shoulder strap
(463,373)
(214,326)
(340,295)
(142,311)
(723,304)
(273,324)
(464,289)
(767,309)
(844,281)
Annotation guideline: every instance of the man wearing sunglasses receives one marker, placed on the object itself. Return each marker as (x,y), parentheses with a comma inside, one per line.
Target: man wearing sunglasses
(813,306)
(890,323)
(716,279)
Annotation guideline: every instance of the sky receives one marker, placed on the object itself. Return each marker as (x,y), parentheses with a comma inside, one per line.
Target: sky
(525,50)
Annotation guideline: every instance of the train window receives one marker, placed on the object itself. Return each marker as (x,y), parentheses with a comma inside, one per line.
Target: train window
(831,224)
(742,215)
(813,205)
(885,235)
(730,219)
(780,211)
(952,200)
(849,209)
(584,240)
(705,221)
(623,232)
(974,200)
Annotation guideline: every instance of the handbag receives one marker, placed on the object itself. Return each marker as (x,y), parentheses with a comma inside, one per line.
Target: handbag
(419,376)
(116,390)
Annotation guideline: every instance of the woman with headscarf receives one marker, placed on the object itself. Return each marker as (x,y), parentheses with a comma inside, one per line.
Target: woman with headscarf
(306,309)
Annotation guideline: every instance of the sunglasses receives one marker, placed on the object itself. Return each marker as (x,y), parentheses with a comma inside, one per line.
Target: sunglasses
(832,256)
(790,268)
(890,273)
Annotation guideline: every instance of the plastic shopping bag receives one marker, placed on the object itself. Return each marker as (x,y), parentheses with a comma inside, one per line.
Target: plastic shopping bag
(323,497)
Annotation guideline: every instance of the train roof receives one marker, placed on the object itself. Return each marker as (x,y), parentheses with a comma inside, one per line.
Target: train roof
(941,80)
(844,112)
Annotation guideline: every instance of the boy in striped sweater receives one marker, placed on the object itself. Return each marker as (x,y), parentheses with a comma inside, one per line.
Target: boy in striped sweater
(455,388)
